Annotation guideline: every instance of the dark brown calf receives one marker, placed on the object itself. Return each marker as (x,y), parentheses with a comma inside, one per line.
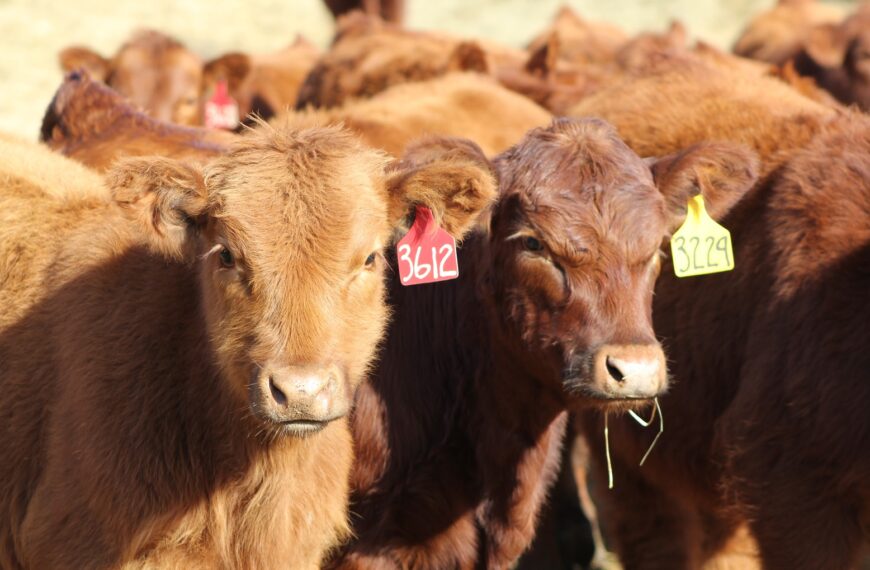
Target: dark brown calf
(458,433)
(767,415)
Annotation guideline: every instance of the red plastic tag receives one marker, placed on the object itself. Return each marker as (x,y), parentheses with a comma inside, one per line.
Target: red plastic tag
(427,253)
(221,110)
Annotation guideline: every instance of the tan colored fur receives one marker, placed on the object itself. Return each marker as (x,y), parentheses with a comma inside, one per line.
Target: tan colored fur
(126,429)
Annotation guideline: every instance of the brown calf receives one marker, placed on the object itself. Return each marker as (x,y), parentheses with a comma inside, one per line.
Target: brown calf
(91,123)
(458,432)
(457,104)
(156,72)
(262,84)
(179,358)
(367,56)
(777,35)
(767,421)
(390,10)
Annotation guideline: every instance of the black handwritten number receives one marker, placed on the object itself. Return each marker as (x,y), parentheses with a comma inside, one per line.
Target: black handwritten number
(695,263)
(680,243)
(722,245)
(712,242)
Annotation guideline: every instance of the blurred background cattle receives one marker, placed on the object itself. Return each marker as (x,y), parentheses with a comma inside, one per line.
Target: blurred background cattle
(35,32)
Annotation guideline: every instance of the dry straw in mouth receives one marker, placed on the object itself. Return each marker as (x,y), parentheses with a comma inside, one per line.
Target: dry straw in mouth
(657,410)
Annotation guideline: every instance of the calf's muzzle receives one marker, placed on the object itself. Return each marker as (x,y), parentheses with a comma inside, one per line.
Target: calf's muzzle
(300,399)
(629,371)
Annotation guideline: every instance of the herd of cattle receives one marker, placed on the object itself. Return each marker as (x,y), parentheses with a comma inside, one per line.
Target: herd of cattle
(207,359)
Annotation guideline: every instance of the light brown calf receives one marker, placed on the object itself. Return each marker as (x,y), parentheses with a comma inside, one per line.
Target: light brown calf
(91,123)
(180,356)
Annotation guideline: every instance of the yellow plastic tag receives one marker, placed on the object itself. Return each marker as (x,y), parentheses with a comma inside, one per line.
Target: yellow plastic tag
(701,246)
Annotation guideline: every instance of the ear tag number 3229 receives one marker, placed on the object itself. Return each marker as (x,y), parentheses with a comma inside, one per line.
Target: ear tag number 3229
(701,246)
(221,110)
(427,253)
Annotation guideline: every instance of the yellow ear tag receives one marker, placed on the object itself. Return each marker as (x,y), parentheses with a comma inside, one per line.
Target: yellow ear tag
(701,246)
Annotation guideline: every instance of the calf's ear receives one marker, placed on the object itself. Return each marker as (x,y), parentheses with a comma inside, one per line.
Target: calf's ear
(231,67)
(168,198)
(450,176)
(468,56)
(721,172)
(74,58)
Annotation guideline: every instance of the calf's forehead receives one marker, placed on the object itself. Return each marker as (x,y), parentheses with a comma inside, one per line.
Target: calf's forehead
(581,184)
(305,201)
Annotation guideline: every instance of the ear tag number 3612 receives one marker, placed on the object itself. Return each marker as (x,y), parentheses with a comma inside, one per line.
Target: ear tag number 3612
(701,246)
(427,253)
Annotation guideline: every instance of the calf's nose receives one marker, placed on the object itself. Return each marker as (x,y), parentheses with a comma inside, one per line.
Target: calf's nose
(307,395)
(630,371)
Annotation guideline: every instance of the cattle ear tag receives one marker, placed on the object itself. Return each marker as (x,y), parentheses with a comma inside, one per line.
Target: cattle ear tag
(221,110)
(701,246)
(427,253)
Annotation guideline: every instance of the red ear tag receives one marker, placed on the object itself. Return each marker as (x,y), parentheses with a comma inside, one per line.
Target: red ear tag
(221,110)
(427,253)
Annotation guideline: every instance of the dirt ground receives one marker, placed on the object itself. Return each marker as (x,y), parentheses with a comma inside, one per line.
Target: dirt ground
(33,31)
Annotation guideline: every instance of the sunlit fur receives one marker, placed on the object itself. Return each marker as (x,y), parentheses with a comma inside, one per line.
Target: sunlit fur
(459,429)
(127,433)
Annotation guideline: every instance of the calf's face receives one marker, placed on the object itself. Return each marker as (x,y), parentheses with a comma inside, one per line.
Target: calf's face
(287,231)
(575,248)
(156,72)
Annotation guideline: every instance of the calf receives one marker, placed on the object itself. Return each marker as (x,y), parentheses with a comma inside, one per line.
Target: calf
(91,123)
(367,56)
(176,361)
(156,72)
(579,41)
(848,77)
(389,10)
(767,413)
(262,84)
(458,432)
(457,104)
(777,35)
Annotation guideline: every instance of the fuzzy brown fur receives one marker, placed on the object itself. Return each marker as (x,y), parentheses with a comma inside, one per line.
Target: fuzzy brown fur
(458,433)
(128,431)
(91,123)
(457,104)
(766,419)
(157,73)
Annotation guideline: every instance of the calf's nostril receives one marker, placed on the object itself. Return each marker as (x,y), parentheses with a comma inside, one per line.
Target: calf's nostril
(277,394)
(614,370)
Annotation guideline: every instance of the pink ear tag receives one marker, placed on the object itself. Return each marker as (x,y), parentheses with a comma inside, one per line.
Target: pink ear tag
(221,110)
(427,253)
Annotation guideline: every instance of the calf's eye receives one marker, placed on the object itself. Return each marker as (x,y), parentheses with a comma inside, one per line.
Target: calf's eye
(532,244)
(370,260)
(226,258)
